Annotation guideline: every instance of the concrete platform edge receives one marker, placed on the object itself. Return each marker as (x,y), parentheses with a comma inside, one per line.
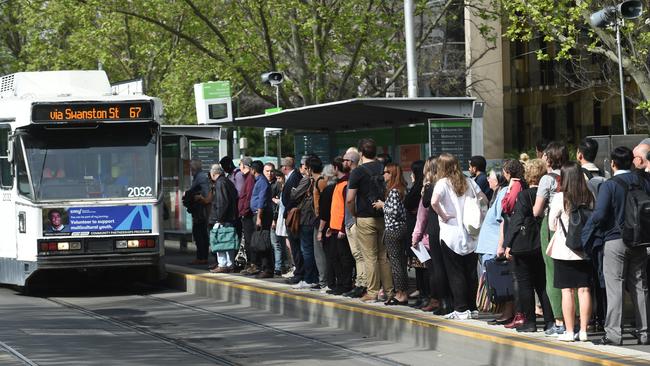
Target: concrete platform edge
(485,345)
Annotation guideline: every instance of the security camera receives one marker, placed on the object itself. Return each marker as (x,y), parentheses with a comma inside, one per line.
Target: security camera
(630,9)
(272,77)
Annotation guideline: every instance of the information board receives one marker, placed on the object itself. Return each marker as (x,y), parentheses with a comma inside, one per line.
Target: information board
(452,137)
(205,150)
(313,143)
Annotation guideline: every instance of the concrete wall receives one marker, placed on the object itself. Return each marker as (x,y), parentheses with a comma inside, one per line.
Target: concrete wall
(485,80)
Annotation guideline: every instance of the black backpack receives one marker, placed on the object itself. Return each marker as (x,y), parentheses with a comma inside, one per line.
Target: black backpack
(635,230)
(377,186)
(577,219)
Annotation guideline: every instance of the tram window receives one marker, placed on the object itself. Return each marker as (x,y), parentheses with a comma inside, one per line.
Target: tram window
(6,178)
(24,187)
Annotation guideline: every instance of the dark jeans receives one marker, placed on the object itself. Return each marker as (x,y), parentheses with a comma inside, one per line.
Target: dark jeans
(463,277)
(296,254)
(329,247)
(248,226)
(201,239)
(339,255)
(438,282)
(265,259)
(422,282)
(529,275)
(307,248)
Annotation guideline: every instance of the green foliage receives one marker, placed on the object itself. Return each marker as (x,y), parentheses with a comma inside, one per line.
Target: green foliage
(565,25)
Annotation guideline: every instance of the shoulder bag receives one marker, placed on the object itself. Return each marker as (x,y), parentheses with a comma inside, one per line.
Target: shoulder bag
(223,238)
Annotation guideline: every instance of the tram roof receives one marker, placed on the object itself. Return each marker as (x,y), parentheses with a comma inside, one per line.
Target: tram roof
(362,113)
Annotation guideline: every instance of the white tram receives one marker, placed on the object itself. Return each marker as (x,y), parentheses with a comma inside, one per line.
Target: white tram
(80,176)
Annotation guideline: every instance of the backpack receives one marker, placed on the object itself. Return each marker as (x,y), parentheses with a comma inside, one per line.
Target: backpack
(377,186)
(594,180)
(577,219)
(635,230)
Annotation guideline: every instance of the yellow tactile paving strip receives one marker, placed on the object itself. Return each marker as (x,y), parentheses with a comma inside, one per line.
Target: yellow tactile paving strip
(586,352)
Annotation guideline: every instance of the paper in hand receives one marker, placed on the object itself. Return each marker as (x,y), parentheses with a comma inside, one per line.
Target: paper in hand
(421,252)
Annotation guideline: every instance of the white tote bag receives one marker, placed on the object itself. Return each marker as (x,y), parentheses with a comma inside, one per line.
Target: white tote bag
(472,212)
(280,227)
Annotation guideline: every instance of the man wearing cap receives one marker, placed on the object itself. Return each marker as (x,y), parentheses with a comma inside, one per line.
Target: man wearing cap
(246,215)
(350,162)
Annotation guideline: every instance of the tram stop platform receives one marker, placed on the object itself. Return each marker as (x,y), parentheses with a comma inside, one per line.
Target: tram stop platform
(474,340)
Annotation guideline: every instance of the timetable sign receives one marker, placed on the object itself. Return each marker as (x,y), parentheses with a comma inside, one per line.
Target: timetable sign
(92,111)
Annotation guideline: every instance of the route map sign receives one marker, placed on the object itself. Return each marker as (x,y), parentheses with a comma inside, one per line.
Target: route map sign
(453,136)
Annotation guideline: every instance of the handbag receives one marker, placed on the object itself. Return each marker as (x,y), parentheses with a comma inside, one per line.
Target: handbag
(472,213)
(223,238)
(293,221)
(261,241)
(483,303)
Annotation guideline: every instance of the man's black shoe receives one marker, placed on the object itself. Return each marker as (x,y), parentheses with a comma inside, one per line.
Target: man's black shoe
(527,328)
(293,280)
(354,292)
(359,292)
(604,341)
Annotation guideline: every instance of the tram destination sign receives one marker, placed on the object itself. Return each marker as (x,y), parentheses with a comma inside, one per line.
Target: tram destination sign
(92,111)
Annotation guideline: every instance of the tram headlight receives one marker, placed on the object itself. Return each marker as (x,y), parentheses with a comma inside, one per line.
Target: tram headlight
(63,246)
(133,243)
(121,244)
(75,245)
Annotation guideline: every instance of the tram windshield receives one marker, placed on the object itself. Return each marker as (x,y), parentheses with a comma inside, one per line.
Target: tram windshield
(105,162)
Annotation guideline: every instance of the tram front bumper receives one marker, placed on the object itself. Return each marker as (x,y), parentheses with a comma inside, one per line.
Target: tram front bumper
(99,260)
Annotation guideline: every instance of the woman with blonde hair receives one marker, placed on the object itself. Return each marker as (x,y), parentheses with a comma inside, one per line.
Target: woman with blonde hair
(457,246)
(395,232)
(523,249)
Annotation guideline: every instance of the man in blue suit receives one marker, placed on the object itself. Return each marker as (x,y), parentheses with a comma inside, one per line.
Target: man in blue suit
(292,177)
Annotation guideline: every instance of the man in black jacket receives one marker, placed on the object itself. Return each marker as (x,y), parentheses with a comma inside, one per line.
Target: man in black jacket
(224,213)
(199,188)
(292,178)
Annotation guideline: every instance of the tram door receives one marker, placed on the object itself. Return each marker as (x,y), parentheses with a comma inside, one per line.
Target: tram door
(8,226)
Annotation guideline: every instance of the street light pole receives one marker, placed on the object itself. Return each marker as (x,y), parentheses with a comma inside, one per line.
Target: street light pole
(619,24)
(616,15)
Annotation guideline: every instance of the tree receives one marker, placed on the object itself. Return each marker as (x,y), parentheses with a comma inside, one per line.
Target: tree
(565,25)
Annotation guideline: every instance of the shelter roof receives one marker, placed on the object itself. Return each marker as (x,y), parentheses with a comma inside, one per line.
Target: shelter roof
(361,113)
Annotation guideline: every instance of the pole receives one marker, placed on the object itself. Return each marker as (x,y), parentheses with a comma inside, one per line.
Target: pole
(619,23)
(411,61)
(266,144)
(277,96)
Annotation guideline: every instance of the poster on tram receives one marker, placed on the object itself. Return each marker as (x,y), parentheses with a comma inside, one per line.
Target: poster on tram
(97,220)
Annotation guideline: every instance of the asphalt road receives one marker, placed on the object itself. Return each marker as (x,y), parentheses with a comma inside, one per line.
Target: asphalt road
(145,326)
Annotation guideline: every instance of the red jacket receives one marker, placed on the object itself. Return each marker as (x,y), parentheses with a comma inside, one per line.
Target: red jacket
(244,203)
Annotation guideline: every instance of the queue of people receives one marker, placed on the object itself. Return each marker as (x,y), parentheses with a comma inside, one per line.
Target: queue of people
(572,239)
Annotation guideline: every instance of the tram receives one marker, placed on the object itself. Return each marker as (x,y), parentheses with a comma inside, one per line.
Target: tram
(80,176)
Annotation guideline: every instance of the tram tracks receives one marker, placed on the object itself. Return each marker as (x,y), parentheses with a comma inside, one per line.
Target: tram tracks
(201,310)
(199,352)
(176,343)
(17,355)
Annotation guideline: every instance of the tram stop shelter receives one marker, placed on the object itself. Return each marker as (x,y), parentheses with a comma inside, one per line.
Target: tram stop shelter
(408,129)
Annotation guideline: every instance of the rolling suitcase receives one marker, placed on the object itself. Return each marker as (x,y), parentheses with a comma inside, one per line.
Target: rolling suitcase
(499,280)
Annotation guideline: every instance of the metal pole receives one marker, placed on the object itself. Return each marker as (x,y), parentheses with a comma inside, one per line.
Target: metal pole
(277,96)
(411,61)
(266,144)
(619,23)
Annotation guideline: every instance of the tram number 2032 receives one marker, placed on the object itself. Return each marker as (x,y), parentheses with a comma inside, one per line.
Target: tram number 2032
(139,191)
